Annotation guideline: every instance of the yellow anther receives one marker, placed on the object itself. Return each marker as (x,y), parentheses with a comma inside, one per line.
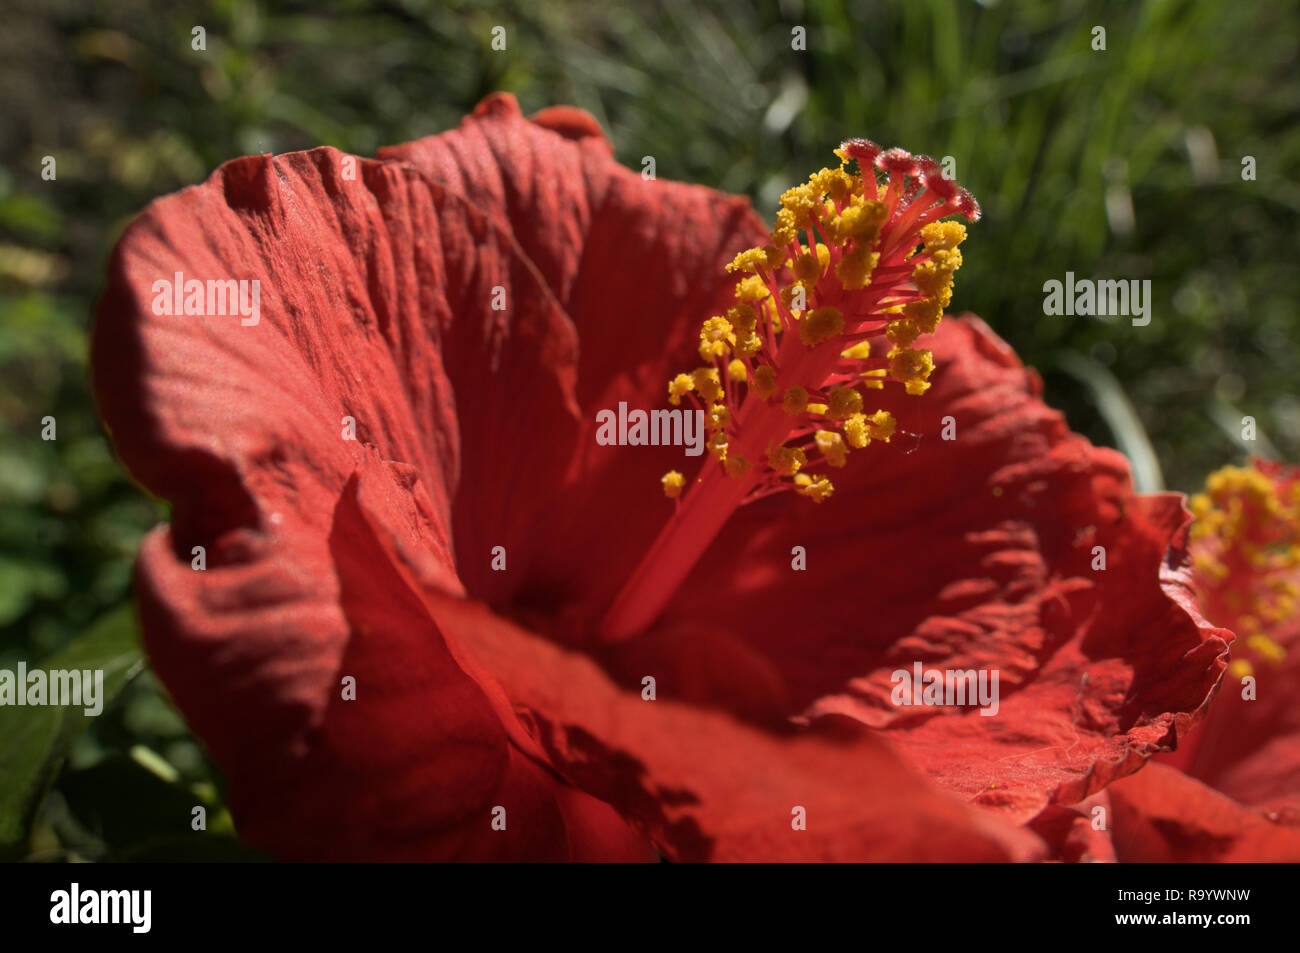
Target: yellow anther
(809,267)
(881,425)
(717,329)
(673,483)
(749,345)
(795,298)
(716,338)
(854,269)
(817,409)
(859,352)
(736,466)
(718,417)
(786,460)
(857,432)
(1239,668)
(902,331)
(749,260)
(933,280)
(718,444)
(819,325)
(742,317)
(831,444)
(803,204)
(764,385)
(840,185)
(795,400)
(837,182)
(843,402)
(707,384)
(948,259)
(925,314)
(816,490)
(785,231)
(861,222)
(738,371)
(943,236)
(679,387)
(911,368)
(752,289)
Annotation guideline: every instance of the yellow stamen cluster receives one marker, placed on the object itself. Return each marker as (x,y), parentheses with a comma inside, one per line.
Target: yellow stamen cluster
(855,258)
(934,279)
(1246,556)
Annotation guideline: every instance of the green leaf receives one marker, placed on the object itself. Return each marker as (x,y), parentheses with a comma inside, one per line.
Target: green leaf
(35,740)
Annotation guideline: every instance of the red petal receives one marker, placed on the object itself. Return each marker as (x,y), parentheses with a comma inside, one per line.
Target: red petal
(375,304)
(1078,834)
(638,265)
(705,786)
(1160,814)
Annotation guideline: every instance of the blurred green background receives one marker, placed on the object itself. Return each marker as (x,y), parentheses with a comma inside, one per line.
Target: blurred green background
(1119,163)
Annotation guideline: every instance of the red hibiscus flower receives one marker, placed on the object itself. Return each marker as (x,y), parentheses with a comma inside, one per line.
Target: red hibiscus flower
(416,608)
(1232,791)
